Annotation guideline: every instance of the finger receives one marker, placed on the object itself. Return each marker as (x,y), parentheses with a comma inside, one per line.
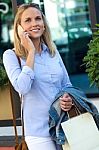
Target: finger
(62,103)
(65,95)
(66,105)
(66,99)
(24,38)
(66,108)
(26,33)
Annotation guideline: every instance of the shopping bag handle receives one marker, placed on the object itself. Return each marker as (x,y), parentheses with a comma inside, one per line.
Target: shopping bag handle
(74,111)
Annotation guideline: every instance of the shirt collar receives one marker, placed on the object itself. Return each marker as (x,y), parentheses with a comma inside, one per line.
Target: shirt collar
(44,47)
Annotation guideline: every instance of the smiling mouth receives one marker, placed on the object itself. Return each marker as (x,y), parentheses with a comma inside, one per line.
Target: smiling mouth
(35,30)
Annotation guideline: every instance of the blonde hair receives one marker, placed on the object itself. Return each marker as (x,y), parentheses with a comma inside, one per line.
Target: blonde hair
(46,36)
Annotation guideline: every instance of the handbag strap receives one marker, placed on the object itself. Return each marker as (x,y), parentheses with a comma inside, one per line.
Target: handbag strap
(22,120)
(74,111)
(13,111)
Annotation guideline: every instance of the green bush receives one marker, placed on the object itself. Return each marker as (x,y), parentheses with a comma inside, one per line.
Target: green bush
(3,75)
(91,60)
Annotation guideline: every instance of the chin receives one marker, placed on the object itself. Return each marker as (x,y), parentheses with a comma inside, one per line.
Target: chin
(34,37)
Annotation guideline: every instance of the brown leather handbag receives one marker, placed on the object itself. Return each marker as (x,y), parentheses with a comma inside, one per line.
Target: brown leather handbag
(21,146)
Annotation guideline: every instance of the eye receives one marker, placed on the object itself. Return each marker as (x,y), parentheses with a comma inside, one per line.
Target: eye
(28,20)
(38,18)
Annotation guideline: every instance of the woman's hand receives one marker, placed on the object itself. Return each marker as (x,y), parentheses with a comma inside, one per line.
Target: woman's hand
(66,102)
(25,40)
(28,45)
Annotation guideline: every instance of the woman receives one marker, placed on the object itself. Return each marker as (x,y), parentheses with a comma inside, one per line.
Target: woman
(41,76)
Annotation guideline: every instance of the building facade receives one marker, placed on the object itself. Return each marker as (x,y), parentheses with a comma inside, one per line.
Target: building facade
(71,31)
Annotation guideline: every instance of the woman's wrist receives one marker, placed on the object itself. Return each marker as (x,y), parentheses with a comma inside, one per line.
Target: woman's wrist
(30,59)
(31,52)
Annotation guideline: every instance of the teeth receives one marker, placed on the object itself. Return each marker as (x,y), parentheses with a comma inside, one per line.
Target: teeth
(34,30)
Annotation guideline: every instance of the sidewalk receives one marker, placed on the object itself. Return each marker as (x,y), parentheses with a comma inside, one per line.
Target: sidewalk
(7,137)
(7,148)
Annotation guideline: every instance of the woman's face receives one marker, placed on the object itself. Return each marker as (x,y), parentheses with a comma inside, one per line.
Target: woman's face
(32,22)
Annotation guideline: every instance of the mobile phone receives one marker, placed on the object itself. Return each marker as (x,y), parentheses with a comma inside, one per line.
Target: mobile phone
(20,30)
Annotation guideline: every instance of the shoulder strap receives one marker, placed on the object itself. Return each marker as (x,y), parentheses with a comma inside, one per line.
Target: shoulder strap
(19,60)
(13,111)
(22,120)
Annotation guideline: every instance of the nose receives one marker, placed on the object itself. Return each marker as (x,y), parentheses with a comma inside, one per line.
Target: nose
(34,22)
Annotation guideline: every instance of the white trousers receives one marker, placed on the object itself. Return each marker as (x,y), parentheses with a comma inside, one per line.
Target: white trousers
(39,143)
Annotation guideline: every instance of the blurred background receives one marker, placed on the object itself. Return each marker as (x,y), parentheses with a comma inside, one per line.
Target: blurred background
(70,25)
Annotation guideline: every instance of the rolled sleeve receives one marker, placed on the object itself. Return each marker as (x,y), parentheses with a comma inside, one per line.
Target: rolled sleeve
(21,79)
(28,71)
(26,78)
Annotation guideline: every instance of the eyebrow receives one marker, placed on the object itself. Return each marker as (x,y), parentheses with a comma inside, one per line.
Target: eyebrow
(35,17)
(28,18)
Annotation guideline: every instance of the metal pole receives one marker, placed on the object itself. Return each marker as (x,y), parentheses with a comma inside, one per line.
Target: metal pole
(0,28)
(16,3)
(16,98)
(42,6)
(92,11)
(14,6)
(97,9)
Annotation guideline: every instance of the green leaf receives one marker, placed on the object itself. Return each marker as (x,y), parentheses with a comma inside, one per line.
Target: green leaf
(91,60)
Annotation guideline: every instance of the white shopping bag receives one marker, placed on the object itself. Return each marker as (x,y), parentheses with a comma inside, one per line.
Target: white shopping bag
(81,133)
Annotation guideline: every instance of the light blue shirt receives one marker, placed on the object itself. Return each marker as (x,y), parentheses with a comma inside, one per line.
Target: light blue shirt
(38,87)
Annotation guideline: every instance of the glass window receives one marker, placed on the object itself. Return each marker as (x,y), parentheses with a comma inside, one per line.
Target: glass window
(71,31)
(6,25)
(70,26)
